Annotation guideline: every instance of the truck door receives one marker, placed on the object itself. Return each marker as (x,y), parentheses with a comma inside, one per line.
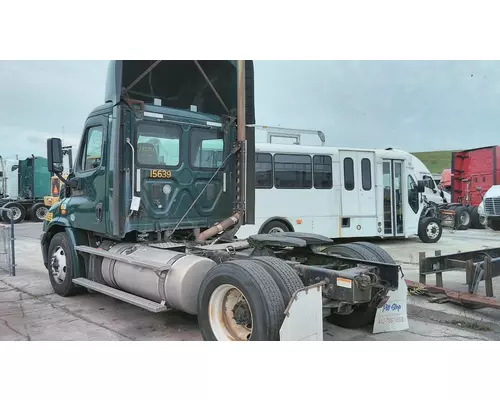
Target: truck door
(358,183)
(89,201)
(393,197)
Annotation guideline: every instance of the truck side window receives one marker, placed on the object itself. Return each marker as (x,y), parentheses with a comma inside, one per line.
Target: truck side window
(263,171)
(348,173)
(92,151)
(412,194)
(322,172)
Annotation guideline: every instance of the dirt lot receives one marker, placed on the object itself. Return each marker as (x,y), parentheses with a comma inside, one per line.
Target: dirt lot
(30,311)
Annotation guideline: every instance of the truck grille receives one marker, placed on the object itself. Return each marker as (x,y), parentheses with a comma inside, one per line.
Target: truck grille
(492,206)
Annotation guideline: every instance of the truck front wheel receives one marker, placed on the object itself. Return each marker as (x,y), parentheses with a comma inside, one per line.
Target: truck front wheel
(430,230)
(240,301)
(61,266)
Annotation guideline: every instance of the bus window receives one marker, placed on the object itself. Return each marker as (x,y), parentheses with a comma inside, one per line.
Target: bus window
(263,171)
(348,173)
(292,171)
(322,166)
(366,174)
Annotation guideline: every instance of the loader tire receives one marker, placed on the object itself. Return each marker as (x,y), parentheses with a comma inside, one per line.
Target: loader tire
(285,277)
(258,309)
(363,314)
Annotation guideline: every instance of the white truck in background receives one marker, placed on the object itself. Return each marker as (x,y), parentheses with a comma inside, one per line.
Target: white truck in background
(489,209)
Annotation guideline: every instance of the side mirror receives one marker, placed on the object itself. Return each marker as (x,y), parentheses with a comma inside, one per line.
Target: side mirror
(55,156)
(420,187)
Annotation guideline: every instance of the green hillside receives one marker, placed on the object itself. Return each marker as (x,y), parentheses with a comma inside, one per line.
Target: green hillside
(436,161)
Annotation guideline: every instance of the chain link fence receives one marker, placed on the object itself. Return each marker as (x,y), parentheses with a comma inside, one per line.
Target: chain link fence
(7,248)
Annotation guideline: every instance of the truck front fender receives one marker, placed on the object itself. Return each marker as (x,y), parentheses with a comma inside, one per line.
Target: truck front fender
(76,237)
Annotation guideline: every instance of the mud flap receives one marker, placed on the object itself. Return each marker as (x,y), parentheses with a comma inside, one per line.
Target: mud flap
(304,315)
(393,315)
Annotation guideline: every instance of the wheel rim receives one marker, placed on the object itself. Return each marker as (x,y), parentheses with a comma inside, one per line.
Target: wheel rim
(482,220)
(230,314)
(58,265)
(16,213)
(276,230)
(41,212)
(432,230)
(464,218)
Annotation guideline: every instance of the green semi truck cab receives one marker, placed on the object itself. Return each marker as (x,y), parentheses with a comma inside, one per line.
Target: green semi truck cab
(33,184)
(163,179)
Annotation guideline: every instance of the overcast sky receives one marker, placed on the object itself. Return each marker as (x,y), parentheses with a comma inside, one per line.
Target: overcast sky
(416,106)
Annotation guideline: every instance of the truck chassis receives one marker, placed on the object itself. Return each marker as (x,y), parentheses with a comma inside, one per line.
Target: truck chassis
(254,280)
(34,209)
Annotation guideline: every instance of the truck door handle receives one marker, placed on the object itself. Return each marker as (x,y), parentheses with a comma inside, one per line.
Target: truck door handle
(98,211)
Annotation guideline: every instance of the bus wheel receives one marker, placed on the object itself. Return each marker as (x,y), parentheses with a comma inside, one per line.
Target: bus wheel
(240,301)
(275,227)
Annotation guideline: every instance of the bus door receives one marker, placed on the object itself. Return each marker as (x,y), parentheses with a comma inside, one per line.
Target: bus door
(394,191)
(358,183)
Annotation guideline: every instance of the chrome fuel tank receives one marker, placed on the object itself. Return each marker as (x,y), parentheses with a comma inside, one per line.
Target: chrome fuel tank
(178,286)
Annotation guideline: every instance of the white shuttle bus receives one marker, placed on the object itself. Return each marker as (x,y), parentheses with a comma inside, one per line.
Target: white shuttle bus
(336,192)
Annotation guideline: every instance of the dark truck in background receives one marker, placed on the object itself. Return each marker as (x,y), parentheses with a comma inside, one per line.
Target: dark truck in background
(33,184)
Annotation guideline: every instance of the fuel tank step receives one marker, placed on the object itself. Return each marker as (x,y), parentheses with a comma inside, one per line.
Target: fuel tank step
(123,296)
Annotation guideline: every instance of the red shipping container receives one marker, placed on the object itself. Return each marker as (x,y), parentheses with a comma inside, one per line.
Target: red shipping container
(474,171)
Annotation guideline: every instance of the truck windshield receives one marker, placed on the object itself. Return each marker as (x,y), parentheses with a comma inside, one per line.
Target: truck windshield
(158,145)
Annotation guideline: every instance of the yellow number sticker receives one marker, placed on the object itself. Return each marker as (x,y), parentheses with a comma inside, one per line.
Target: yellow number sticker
(160,174)
(49,216)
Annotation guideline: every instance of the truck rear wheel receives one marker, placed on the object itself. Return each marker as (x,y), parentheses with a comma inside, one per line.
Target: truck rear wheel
(362,314)
(463,218)
(285,277)
(61,266)
(19,212)
(240,301)
(379,252)
(38,212)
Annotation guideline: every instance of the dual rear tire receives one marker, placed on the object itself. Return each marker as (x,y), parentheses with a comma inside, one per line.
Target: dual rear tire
(245,300)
